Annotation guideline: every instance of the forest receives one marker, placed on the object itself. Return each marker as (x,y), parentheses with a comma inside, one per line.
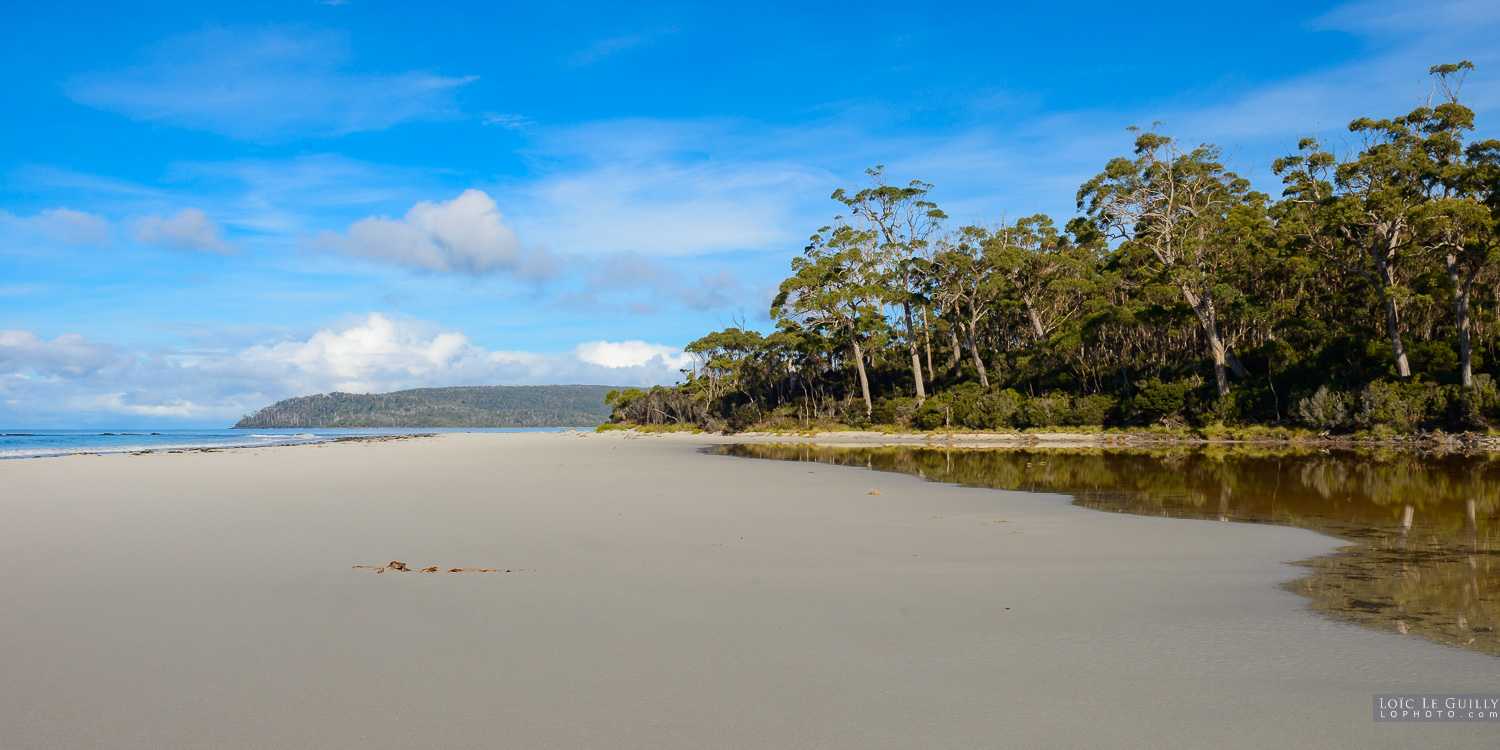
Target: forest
(1363,299)
(461,406)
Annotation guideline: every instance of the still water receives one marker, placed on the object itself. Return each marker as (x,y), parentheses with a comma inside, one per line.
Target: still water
(1424,529)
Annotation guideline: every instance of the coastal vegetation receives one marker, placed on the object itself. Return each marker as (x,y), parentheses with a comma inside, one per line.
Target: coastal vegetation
(1365,298)
(466,406)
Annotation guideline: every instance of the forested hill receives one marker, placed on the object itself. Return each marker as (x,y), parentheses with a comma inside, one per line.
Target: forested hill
(465,406)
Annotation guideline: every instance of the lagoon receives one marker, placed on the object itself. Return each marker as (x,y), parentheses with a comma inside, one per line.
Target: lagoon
(1423,528)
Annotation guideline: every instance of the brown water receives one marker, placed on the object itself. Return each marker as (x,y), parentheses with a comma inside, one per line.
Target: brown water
(1424,529)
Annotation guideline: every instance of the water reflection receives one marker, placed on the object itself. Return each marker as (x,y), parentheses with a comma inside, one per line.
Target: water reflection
(1424,527)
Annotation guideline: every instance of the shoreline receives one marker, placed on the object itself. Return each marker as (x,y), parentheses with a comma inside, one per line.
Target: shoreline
(1436,443)
(83,442)
(672,599)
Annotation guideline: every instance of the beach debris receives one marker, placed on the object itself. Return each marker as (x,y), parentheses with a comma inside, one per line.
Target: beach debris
(1018,532)
(403,567)
(937,516)
(1002,522)
(874,492)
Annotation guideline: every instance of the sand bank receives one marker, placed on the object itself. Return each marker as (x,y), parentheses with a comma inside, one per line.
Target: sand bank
(670,599)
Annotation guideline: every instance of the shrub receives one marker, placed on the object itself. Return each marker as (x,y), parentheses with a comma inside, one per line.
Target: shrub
(1047,411)
(1324,410)
(932,415)
(1476,402)
(743,418)
(1156,399)
(1389,405)
(1092,410)
(903,409)
(992,410)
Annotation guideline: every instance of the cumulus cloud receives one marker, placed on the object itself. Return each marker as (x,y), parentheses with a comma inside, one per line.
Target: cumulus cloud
(466,235)
(71,380)
(64,225)
(383,353)
(632,354)
(188,229)
(24,354)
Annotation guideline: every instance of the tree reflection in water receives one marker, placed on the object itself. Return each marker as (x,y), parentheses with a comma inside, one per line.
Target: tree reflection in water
(1424,527)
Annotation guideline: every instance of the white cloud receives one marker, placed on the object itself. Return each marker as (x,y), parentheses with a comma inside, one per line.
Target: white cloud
(466,235)
(70,379)
(383,353)
(24,354)
(632,354)
(630,271)
(64,225)
(616,44)
(188,229)
(266,84)
(507,121)
(673,188)
(75,227)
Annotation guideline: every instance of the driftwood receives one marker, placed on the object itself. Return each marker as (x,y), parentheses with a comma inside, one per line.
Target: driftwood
(402,567)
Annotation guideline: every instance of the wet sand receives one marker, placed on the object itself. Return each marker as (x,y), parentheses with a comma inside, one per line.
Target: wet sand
(669,599)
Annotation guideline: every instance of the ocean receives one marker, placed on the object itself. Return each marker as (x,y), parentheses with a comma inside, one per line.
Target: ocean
(24,443)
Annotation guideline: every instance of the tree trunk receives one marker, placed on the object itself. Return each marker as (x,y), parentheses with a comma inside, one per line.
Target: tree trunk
(1208,317)
(957,356)
(1234,364)
(927,341)
(1036,320)
(1392,316)
(1393,329)
(1220,378)
(864,380)
(1461,292)
(916,360)
(984,378)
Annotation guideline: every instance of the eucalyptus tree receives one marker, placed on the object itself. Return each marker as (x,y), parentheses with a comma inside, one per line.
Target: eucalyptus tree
(1049,276)
(902,223)
(1454,223)
(1360,212)
(1176,205)
(968,282)
(835,285)
(724,360)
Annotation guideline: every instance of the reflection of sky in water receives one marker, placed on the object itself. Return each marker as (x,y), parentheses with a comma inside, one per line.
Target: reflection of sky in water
(1426,528)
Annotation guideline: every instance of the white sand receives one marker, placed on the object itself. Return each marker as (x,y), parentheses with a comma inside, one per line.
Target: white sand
(672,600)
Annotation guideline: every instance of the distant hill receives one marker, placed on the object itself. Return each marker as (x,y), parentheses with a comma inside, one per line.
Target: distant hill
(464,406)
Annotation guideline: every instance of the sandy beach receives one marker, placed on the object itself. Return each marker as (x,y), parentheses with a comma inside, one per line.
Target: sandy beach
(668,599)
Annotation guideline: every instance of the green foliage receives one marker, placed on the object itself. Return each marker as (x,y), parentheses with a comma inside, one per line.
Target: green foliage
(1365,297)
(1323,410)
(1156,399)
(1093,410)
(1047,411)
(466,406)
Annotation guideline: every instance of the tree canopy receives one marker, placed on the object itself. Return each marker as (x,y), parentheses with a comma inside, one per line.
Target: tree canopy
(1364,297)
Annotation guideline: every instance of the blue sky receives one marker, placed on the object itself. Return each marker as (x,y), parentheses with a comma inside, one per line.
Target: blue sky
(204,209)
